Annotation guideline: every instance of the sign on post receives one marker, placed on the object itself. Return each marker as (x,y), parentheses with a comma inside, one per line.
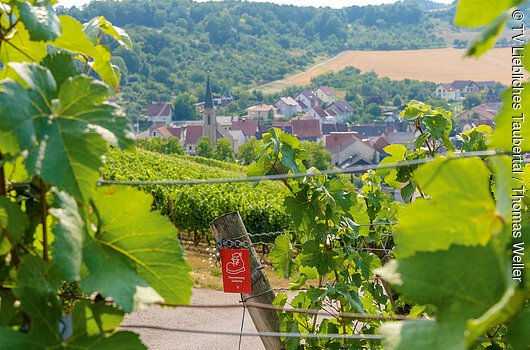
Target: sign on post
(236,271)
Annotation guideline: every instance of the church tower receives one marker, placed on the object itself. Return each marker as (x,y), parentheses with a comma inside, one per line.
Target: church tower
(209,119)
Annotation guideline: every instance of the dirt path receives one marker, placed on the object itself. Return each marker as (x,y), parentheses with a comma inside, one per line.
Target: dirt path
(228,320)
(437,65)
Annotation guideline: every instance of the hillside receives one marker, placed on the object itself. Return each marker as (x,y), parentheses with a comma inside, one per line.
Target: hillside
(192,208)
(435,65)
(245,44)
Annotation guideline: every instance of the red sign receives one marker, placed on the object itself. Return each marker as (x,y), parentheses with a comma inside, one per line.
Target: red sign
(236,271)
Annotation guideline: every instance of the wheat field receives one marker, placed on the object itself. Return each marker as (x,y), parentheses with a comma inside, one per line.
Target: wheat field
(436,65)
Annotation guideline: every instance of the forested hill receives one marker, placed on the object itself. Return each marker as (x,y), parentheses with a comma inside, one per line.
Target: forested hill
(246,44)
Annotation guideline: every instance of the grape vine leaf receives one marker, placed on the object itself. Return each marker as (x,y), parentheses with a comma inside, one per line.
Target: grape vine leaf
(150,245)
(104,264)
(97,24)
(61,65)
(68,232)
(92,322)
(422,335)
(487,37)
(73,126)
(510,120)
(313,256)
(281,256)
(13,223)
(462,283)
(16,130)
(76,41)
(40,20)
(519,330)
(477,13)
(461,209)
(25,51)
(39,300)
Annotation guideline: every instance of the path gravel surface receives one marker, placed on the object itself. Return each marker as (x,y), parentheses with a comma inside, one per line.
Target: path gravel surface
(228,320)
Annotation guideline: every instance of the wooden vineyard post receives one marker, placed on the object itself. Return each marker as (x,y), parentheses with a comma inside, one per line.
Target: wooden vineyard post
(231,227)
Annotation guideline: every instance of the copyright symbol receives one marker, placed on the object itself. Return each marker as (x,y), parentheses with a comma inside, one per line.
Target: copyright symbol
(517,15)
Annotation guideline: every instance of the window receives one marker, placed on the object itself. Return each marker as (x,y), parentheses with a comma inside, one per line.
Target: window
(209,120)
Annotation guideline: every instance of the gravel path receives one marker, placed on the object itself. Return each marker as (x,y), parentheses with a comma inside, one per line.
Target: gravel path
(228,320)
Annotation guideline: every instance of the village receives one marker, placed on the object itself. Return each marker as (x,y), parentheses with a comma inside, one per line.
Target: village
(318,116)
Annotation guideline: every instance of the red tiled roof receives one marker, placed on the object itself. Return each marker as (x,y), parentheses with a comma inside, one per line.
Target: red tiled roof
(157,125)
(279,124)
(381,143)
(320,112)
(193,134)
(248,127)
(327,90)
(156,109)
(306,127)
(176,132)
(448,87)
(334,140)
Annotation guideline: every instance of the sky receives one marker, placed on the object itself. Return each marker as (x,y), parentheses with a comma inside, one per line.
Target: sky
(317,3)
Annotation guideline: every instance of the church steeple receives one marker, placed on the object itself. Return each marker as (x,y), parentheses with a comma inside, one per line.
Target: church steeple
(208,98)
(209,126)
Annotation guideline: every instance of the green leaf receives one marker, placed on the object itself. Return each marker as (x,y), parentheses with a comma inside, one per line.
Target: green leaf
(62,66)
(16,130)
(460,211)
(39,300)
(20,49)
(315,256)
(73,127)
(117,341)
(151,244)
(97,24)
(281,256)
(519,330)
(487,38)
(92,319)
(111,274)
(423,335)
(40,20)
(75,40)
(13,222)
(477,13)
(439,125)
(509,121)
(462,282)
(68,232)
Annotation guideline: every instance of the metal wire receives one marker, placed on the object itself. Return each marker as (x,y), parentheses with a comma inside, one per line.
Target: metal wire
(351,170)
(295,310)
(260,334)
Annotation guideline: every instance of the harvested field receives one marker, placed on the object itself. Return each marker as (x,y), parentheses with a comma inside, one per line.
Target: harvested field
(436,65)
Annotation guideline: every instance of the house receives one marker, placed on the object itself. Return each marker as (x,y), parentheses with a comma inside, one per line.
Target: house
(325,94)
(348,150)
(226,97)
(447,92)
(369,130)
(317,112)
(248,128)
(286,127)
(160,113)
(307,129)
(338,127)
(307,99)
(225,122)
(341,110)
(466,87)
(261,112)
(191,133)
(287,106)
(483,114)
